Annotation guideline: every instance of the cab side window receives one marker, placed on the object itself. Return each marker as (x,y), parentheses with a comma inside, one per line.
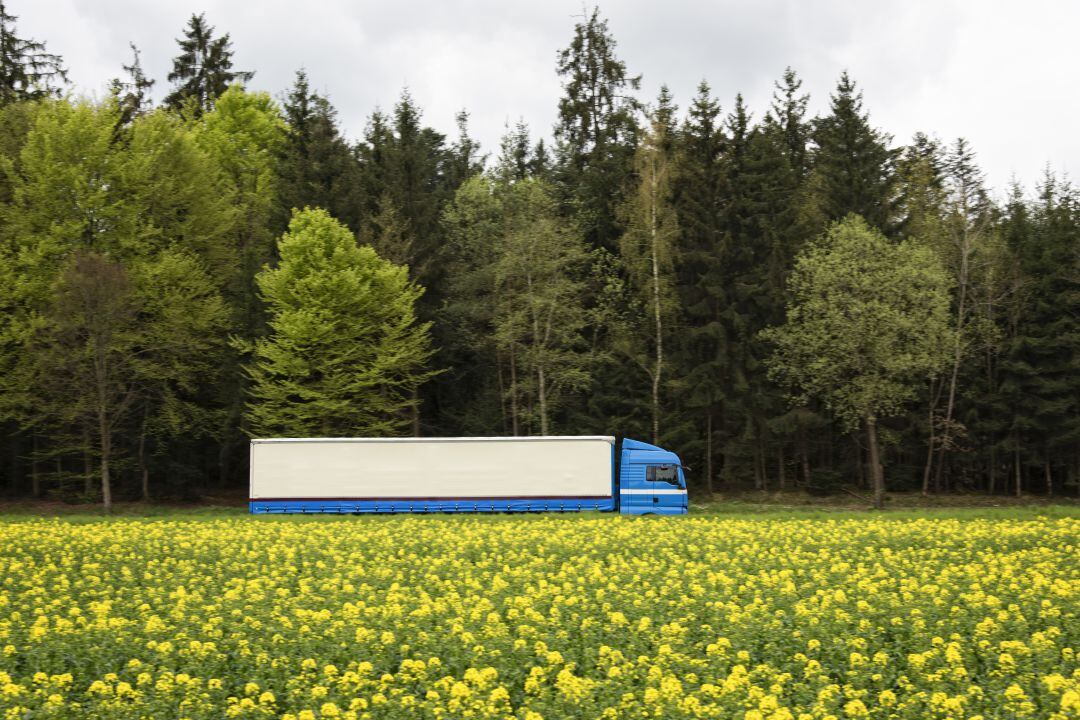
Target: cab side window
(662,473)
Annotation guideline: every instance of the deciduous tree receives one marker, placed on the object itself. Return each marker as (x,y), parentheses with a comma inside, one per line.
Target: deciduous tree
(868,320)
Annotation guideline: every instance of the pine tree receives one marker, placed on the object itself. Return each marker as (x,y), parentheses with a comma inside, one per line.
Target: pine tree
(1039,378)
(27,71)
(515,154)
(133,93)
(204,68)
(597,129)
(345,351)
(703,343)
(788,115)
(318,167)
(404,161)
(463,159)
(854,162)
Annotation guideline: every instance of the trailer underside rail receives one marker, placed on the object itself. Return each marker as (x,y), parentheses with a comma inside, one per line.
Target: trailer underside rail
(430,505)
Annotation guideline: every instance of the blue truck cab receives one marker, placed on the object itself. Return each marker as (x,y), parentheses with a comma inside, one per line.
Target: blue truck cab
(651,480)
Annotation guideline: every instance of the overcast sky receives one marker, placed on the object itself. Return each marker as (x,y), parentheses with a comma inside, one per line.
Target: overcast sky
(1002,74)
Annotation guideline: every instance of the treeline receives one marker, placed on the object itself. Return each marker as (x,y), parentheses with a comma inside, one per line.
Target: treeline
(177,278)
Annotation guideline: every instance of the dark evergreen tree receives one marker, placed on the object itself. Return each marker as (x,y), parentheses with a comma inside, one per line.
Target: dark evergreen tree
(703,345)
(788,116)
(515,154)
(854,162)
(27,70)
(132,93)
(204,68)
(463,159)
(597,129)
(318,168)
(1040,381)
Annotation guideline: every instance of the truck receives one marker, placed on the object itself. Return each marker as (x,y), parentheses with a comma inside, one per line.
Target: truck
(464,475)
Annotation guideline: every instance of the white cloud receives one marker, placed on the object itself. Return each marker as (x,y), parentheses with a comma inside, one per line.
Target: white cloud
(997,73)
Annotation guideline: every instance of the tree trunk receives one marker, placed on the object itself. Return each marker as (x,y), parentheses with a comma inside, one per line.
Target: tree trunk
(1019,488)
(929,444)
(541,397)
(780,470)
(708,451)
(415,395)
(655,232)
(804,457)
(876,471)
(224,454)
(105,438)
(502,390)
(992,479)
(144,471)
(1049,479)
(513,394)
(761,478)
(35,468)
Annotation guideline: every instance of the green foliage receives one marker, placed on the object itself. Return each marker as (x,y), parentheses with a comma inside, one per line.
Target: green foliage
(345,352)
(597,129)
(27,70)
(318,167)
(868,320)
(516,297)
(203,70)
(853,161)
(648,250)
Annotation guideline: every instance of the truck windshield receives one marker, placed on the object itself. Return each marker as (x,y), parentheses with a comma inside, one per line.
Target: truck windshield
(662,473)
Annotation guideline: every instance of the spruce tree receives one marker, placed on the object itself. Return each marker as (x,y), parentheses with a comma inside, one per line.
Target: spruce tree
(515,154)
(463,159)
(597,129)
(132,93)
(853,161)
(788,115)
(405,162)
(345,351)
(1039,378)
(318,167)
(204,68)
(701,269)
(27,70)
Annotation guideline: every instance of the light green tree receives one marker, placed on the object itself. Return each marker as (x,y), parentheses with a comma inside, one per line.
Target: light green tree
(648,250)
(98,218)
(117,342)
(868,321)
(344,352)
(539,311)
(516,296)
(244,134)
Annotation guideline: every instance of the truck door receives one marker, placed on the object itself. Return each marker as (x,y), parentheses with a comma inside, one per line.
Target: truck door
(662,481)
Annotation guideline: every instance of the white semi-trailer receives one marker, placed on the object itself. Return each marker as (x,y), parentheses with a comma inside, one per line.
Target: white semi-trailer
(508,474)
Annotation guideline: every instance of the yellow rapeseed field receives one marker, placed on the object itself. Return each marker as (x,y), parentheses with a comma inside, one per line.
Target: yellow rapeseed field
(549,617)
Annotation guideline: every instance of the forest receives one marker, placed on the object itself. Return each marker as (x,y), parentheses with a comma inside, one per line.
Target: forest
(787,301)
